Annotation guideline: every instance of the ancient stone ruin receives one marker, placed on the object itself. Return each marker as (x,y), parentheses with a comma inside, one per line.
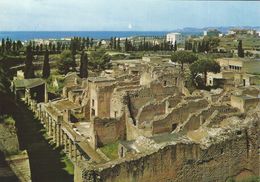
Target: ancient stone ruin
(142,111)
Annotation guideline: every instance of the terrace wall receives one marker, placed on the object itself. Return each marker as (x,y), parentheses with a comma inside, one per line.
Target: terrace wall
(236,154)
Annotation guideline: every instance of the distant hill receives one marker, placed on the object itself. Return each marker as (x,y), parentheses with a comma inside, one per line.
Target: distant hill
(223,29)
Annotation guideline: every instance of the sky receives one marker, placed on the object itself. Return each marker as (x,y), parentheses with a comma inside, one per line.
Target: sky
(132,15)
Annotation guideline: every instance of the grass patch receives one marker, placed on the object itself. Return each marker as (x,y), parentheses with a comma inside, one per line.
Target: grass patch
(68,165)
(7,120)
(110,150)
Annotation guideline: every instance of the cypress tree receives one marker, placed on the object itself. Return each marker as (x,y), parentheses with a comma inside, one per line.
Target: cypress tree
(87,42)
(175,46)
(114,43)
(29,69)
(46,65)
(91,42)
(118,44)
(84,65)
(14,46)
(3,45)
(126,45)
(240,50)
(111,44)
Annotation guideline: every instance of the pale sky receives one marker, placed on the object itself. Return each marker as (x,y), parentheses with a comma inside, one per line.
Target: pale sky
(157,15)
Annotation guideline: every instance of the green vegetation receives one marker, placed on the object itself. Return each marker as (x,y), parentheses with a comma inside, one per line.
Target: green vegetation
(67,62)
(207,44)
(183,57)
(68,164)
(247,179)
(99,59)
(52,88)
(240,50)
(84,65)
(46,65)
(29,68)
(250,42)
(110,150)
(203,66)
(7,120)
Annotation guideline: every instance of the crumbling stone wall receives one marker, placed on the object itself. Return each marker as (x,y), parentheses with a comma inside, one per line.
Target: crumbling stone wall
(108,130)
(149,111)
(117,104)
(184,162)
(173,101)
(178,115)
(196,120)
(156,92)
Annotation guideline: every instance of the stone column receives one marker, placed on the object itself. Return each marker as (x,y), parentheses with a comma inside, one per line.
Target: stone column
(70,149)
(65,143)
(47,123)
(54,131)
(50,127)
(75,152)
(45,117)
(61,137)
(57,135)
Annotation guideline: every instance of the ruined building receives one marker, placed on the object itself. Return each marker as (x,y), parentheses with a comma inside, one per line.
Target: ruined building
(161,131)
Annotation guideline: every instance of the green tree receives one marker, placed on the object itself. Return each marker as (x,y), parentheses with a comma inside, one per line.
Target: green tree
(3,45)
(175,46)
(183,57)
(19,45)
(46,65)
(91,42)
(204,66)
(118,44)
(211,43)
(84,65)
(66,62)
(114,43)
(99,59)
(240,50)
(29,69)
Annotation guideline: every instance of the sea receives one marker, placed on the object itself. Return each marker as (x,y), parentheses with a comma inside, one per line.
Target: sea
(30,35)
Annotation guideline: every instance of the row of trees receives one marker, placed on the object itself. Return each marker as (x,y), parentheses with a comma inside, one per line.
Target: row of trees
(143,45)
(8,46)
(207,44)
(79,43)
(65,64)
(51,47)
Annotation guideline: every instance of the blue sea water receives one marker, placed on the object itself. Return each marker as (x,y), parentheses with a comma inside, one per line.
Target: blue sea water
(29,35)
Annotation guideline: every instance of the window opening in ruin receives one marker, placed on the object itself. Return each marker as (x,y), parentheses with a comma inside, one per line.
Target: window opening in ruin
(93,112)
(174,126)
(244,82)
(165,83)
(239,132)
(93,102)
(115,114)
(122,152)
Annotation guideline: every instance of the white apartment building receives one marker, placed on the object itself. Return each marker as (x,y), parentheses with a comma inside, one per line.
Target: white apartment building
(172,37)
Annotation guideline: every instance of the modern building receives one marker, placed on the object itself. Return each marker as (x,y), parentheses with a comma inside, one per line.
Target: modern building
(211,33)
(172,37)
